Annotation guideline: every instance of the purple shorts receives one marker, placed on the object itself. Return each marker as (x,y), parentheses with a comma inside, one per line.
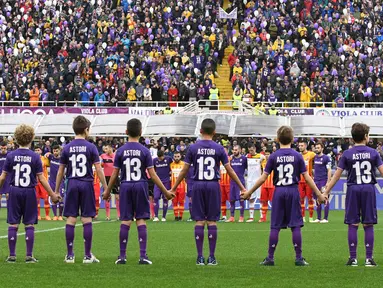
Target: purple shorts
(320,184)
(80,196)
(361,205)
(134,201)
(235,193)
(189,192)
(206,201)
(62,187)
(22,203)
(286,210)
(6,186)
(157,192)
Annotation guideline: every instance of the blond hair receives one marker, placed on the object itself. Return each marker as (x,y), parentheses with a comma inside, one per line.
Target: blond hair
(24,135)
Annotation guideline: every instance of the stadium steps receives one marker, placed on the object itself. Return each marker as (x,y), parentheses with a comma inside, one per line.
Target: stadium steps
(223,83)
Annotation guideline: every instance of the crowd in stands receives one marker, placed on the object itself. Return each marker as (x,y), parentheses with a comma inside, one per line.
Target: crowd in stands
(308,51)
(108,51)
(111,51)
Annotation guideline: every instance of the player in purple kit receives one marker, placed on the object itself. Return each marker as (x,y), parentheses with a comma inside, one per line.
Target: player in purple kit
(288,165)
(54,164)
(189,191)
(162,166)
(23,167)
(206,156)
(77,158)
(3,156)
(361,163)
(322,176)
(239,164)
(133,159)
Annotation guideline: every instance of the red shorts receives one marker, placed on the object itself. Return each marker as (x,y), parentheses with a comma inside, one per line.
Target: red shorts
(225,193)
(180,195)
(305,190)
(41,193)
(267,193)
(97,190)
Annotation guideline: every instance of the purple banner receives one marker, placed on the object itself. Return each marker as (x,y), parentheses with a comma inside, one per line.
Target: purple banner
(64,110)
(295,111)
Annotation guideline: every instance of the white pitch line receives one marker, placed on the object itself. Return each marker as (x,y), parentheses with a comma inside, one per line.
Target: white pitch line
(55,229)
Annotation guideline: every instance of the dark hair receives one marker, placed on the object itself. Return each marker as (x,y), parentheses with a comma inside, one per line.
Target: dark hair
(320,144)
(177,152)
(80,124)
(359,132)
(285,135)
(208,126)
(269,150)
(301,140)
(55,147)
(160,153)
(3,143)
(134,128)
(37,147)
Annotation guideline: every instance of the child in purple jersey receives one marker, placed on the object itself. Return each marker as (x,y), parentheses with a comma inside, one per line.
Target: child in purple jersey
(361,163)
(54,164)
(239,164)
(3,156)
(77,158)
(133,159)
(288,165)
(322,176)
(161,165)
(23,167)
(189,190)
(206,156)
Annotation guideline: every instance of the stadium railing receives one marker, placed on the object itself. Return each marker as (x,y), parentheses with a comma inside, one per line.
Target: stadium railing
(205,104)
(161,104)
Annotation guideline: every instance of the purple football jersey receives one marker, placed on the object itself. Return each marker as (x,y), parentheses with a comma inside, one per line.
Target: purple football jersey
(53,168)
(288,165)
(206,156)
(2,161)
(190,175)
(79,156)
(163,168)
(321,165)
(23,166)
(239,166)
(133,159)
(361,163)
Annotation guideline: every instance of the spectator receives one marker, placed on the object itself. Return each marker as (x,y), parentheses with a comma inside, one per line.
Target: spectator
(34,95)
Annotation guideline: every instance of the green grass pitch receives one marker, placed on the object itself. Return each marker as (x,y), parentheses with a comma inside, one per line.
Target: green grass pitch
(241,246)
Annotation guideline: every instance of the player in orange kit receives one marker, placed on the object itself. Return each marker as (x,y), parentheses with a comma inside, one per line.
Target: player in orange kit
(97,192)
(179,200)
(224,183)
(267,190)
(304,189)
(41,193)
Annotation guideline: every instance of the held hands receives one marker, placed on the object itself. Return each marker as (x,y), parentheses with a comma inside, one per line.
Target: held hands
(56,197)
(245,195)
(106,195)
(170,194)
(322,198)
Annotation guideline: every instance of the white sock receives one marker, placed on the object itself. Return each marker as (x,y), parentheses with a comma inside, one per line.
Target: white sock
(251,209)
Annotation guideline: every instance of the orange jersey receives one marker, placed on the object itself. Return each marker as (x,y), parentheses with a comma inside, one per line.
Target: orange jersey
(225,178)
(176,169)
(269,181)
(96,179)
(45,163)
(308,157)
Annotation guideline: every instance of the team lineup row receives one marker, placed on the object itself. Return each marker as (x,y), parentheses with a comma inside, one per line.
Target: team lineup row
(133,166)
